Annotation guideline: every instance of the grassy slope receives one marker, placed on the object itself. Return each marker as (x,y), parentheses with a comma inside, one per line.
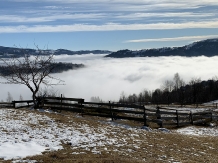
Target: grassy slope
(136,145)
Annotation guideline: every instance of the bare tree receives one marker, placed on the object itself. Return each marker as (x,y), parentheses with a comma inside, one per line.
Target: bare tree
(31,71)
(178,82)
(95,99)
(21,98)
(196,88)
(167,88)
(45,92)
(9,98)
(123,97)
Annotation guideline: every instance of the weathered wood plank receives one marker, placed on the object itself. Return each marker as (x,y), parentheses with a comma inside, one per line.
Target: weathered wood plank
(99,115)
(23,106)
(198,122)
(115,105)
(151,110)
(63,104)
(67,109)
(182,113)
(184,118)
(201,117)
(170,123)
(184,123)
(64,99)
(113,110)
(168,118)
(151,114)
(166,112)
(155,120)
(201,113)
(26,101)
(6,103)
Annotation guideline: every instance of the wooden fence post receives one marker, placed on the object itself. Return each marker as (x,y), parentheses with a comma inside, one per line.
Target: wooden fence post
(160,122)
(111,111)
(81,107)
(177,118)
(14,105)
(211,116)
(61,101)
(145,120)
(191,117)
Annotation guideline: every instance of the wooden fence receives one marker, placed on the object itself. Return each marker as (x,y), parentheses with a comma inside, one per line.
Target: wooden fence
(172,117)
(6,104)
(163,117)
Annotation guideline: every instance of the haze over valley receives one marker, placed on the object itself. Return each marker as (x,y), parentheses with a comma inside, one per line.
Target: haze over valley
(108,77)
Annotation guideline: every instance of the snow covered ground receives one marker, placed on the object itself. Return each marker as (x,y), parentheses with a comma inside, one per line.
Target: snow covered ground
(22,134)
(25,133)
(198,131)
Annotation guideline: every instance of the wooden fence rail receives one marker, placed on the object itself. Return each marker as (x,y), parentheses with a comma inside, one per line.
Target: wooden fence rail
(161,116)
(28,102)
(6,104)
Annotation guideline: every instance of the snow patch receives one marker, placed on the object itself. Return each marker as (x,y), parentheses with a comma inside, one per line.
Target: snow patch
(198,131)
(14,150)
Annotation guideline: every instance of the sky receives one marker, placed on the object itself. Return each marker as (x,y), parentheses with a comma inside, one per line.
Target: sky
(107,78)
(106,24)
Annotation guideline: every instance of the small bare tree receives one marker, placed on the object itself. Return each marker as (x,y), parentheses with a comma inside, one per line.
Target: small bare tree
(31,71)
(9,98)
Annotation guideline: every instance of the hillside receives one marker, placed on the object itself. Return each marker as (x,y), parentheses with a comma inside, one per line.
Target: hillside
(46,136)
(18,52)
(207,48)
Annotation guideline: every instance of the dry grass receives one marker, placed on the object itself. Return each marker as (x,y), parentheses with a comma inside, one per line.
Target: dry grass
(138,145)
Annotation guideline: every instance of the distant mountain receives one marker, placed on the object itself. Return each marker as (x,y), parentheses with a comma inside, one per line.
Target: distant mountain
(206,47)
(18,52)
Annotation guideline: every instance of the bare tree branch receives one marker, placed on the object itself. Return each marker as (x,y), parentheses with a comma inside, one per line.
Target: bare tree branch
(31,71)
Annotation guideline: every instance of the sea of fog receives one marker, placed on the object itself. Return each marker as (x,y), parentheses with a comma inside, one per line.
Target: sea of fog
(108,77)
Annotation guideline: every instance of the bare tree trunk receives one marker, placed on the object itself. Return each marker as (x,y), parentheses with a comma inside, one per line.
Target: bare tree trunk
(35,100)
(30,73)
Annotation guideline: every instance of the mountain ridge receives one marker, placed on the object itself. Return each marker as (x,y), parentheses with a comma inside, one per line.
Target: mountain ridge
(207,48)
(19,52)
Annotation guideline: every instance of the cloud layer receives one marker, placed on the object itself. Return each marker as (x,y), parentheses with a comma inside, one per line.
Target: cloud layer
(108,77)
(104,15)
(105,27)
(185,38)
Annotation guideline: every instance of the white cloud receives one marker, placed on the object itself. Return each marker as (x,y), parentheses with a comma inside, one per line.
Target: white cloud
(145,5)
(129,5)
(55,16)
(166,15)
(159,12)
(185,38)
(25,19)
(106,27)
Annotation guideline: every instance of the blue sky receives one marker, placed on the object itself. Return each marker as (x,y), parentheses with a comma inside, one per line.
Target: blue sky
(106,24)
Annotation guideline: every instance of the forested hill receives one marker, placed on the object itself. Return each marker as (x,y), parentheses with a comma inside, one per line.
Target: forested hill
(207,48)
(57,67)
(19,52)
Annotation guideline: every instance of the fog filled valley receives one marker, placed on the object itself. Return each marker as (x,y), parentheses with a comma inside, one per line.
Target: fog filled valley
(107,78)
(122,134)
